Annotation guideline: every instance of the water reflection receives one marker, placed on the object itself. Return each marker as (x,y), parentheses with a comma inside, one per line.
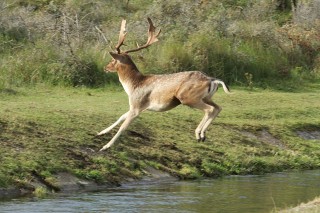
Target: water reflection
(229,194)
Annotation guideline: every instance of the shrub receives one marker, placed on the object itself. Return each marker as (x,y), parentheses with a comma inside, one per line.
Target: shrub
(40,192)
(212,168)
(174,57)
(94,175)
(56,42)
(189,172)
(4,180)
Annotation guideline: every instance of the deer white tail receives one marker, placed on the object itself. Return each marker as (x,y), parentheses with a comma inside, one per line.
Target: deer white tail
(225,87)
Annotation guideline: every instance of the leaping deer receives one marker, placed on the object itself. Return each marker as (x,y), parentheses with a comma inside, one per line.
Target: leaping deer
(160,92)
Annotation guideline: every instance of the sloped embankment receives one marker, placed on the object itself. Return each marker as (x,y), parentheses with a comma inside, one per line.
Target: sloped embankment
(48,139)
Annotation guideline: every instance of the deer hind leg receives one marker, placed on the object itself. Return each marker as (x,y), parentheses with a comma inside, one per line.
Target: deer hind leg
(200,126)
(122,118)
(209,111)
(212,116)
(131,115)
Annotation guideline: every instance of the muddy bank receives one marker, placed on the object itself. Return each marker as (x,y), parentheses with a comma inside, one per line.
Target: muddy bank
(67,183)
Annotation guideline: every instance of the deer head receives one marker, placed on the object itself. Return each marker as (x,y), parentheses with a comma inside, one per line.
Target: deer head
(121,59)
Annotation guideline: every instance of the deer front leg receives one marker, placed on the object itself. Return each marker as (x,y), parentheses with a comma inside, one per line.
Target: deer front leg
(122,118)
(131,115)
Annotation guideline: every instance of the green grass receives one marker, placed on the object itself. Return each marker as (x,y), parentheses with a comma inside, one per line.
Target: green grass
(48,130)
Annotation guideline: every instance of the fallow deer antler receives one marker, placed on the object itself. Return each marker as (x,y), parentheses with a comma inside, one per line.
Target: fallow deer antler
(152,37)
(122,35)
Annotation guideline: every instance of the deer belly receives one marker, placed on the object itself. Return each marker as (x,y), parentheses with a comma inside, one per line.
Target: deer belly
(163,106)
(160,101)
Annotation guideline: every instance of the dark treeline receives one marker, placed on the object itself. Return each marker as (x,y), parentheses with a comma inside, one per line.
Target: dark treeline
(245,42)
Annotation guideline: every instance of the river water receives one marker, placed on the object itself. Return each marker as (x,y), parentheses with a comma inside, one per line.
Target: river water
(254,193)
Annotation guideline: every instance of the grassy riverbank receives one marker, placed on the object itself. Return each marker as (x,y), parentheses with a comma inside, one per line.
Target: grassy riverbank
(310,207)
(44,131)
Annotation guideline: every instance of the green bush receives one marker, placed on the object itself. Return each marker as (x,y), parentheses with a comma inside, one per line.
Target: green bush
(56,42)
(4,180)
(38,3)
(189,172)
(213,169)
(42,64)
(40,192)
(173,57)
(223,58)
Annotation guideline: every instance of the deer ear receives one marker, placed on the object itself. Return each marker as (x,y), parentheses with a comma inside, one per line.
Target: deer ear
(115,55)
(118,57)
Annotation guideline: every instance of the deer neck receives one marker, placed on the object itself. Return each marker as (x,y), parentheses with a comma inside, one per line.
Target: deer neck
(130,77)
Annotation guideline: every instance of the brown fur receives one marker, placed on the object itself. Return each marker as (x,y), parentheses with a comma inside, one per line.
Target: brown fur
(161,92)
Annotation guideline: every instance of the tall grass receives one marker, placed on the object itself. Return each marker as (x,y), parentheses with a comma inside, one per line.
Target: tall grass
(57,43)
(40,63)
(220,57)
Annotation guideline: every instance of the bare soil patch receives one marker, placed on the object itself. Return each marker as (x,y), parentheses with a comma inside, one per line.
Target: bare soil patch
(309,135)
(264,136)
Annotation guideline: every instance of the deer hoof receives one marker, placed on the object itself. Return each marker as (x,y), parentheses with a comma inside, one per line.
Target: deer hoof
(201,139)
